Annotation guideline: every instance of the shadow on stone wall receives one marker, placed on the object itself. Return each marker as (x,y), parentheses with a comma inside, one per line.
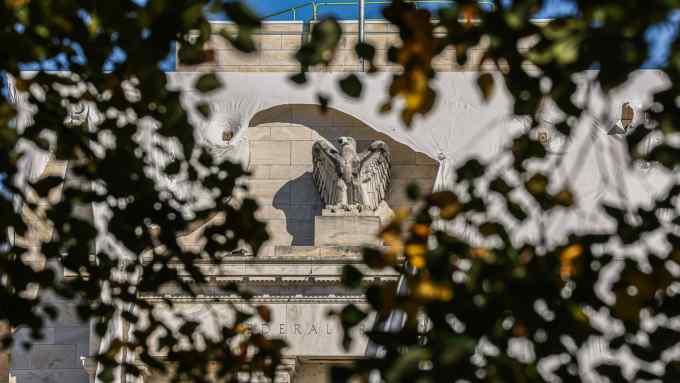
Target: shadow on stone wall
(300,203)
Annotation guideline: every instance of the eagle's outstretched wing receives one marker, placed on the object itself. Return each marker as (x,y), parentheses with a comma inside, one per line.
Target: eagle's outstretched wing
(326,171)
(374,173)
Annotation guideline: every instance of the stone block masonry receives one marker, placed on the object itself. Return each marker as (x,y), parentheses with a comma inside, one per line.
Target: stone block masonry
(278,41)
(350,230)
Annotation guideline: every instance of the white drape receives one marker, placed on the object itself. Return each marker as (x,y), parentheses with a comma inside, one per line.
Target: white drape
(460,126)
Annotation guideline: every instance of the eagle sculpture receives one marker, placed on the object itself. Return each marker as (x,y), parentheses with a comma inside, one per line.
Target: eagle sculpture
(348,180)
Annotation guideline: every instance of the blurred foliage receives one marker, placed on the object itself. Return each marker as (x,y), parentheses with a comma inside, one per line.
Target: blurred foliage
(467,308)
(478,305)
(115,49)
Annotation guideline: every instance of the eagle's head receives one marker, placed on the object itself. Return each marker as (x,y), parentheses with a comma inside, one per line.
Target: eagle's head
(343,141)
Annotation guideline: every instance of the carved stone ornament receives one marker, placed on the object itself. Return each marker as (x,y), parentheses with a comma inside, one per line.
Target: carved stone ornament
(348,181)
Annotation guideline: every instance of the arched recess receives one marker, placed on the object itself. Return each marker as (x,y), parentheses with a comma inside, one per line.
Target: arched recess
(280,140)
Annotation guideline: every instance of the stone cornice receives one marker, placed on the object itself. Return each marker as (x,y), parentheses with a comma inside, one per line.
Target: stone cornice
(296,298)
(301,278)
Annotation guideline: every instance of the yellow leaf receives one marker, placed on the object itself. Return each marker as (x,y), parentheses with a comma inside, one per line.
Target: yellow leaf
(14,4)
(416,254)
(417,261)
(393,242)
(413,100)
(430,291)
(450,211)
(401,214)
(571,252)
(93,27)
(447,202)
(565,198)
(469,14)
(537,184)
(479,252)
(567,260)
(421,230)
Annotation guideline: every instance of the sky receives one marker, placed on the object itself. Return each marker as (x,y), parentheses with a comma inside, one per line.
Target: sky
(349,9)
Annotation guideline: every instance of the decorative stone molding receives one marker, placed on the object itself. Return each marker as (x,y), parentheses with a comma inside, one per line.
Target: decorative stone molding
(308,279)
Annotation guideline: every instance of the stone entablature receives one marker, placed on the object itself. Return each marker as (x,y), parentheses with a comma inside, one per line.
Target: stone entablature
(269,277)
(300,286)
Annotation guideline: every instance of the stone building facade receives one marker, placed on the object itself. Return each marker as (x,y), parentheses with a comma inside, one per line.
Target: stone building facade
(300,281)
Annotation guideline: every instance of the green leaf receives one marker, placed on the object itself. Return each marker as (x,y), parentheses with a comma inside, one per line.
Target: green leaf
(204,110)
(351,316)
(242,15)
(321,47)
(500,186)
(516,210)
(470,170)
(208,82)
(173,167)
(243,41)
(351,276)
(351,86)
(406,366)
(299,78)
(413,192)
(365,51)
(340,374)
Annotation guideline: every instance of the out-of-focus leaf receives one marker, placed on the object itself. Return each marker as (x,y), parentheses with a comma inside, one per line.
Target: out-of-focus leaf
(351,276)
(299,78)
(241,14)
(365,51)
(485,83)
(470,170)
(265,313)
(208,82)
(351,86)
(204,109)
(323,102)
(407,365)
(44,185)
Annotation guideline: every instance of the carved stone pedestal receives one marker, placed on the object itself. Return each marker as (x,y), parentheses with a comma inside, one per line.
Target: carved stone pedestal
(346,230)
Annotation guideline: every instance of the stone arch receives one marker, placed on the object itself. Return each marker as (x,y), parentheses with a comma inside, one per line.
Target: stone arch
(281,139)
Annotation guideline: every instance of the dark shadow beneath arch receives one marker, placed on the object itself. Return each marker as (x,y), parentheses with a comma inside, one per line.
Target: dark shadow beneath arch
(300,203)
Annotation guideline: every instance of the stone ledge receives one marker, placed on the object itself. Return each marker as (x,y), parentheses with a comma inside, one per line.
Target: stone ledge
(346,230)
(325,252)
